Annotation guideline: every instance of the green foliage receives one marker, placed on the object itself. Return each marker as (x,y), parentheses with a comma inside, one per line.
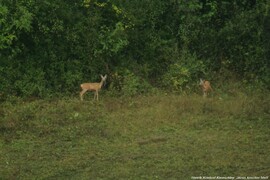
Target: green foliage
(184,73)
(31,83)
(112,41)
(63,43)
(243,45)
(126,83)
(15,19)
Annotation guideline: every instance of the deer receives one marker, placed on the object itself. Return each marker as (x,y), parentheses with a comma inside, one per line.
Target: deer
(92,87)
(206,87)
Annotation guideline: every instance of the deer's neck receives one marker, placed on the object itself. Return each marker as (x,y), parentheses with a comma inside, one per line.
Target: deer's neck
(101,83)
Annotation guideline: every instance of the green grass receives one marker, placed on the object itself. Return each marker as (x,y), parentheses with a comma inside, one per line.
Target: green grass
(145,137)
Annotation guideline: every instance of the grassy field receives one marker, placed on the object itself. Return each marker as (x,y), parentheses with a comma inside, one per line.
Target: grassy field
(144,137)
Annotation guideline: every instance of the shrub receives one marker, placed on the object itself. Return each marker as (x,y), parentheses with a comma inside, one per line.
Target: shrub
(31,83)
(183,73)
(127,83)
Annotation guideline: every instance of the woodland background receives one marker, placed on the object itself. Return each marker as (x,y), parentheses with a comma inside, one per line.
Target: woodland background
(49,47)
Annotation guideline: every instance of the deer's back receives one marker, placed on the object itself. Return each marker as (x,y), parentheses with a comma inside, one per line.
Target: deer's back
(90,86)
(206,86)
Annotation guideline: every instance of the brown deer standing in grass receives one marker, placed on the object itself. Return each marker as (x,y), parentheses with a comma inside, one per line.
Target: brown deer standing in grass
(206,87)
(92,87)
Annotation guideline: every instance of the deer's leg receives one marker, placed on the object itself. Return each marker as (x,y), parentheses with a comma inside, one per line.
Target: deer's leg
(204,94)
(82,93)
(95,95)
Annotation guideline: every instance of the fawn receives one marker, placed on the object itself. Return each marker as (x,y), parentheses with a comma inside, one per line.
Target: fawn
(206,87)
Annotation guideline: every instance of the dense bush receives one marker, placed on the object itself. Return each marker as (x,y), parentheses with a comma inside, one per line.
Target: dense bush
(126,83)
(184,73)
(52,46)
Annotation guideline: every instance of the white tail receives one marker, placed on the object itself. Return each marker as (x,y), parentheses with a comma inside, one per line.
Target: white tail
(206,87)
(92,87)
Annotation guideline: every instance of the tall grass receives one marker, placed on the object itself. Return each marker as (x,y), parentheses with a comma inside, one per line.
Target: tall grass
(144,137)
